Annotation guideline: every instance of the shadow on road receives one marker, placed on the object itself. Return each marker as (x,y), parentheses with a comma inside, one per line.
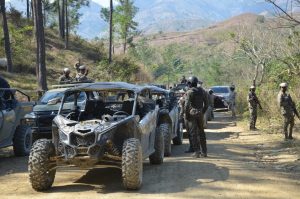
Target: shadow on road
(166,178)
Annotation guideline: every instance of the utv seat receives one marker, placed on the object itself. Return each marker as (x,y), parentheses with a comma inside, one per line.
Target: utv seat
(88,113)
(127,106)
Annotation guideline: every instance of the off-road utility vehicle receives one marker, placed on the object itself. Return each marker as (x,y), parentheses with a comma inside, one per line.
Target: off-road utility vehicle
(13,131)
(40,119)
(118,128)
(168,121)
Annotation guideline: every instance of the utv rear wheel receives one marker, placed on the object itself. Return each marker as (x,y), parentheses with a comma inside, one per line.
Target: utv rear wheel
(166,131)
(132,164)
(22,141)
(41,169)
(178,139)
(158,156)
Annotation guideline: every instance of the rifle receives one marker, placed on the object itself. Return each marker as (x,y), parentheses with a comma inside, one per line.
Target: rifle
(296,113)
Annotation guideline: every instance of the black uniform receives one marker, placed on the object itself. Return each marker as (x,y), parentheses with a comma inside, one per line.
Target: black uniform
(4,84)
(196,104)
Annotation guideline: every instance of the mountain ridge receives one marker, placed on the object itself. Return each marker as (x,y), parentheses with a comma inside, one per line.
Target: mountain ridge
(156,16)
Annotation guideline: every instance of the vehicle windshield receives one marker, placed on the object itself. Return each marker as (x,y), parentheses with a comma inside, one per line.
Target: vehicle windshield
(98,104)
(181,87)
(220,89)
(59,94)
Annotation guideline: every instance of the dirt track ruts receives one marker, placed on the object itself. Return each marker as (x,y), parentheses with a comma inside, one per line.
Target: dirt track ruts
(231,171)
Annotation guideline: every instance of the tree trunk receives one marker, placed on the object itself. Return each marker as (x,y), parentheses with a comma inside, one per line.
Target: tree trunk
(67,25)
(44,13)
(6,37)
(62,17)
(110,31)
(40,40)
(28,9)
(125,44)
(31,5)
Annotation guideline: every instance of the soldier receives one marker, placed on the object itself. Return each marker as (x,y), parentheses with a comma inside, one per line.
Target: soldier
(184,122)
(232,100)
(4,84)
(253,102)
(211,103)
(65,78)
(82,75)
(76,66)
(196,104)
(183,80)
(288,110)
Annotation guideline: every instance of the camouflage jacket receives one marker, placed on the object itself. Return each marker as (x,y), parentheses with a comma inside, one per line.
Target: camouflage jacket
(232,98)
(63,79)
(196,98)
(286,104)
(81,78)
(253,101)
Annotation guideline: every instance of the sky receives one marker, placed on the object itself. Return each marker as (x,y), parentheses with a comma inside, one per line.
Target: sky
(104,3)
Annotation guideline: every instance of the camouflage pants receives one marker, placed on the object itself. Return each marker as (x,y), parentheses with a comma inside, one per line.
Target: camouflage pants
(288,125)
(253,117)
(197,134)
(232,109)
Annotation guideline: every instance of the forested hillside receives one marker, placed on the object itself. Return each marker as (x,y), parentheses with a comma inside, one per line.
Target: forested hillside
(91,53)
(244,50)
(238,51)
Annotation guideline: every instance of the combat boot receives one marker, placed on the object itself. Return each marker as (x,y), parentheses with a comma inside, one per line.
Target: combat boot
(204,155)
(196,154)
(291,134)
(189,150)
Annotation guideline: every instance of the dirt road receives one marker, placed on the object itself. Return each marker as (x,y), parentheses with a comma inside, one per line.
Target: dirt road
(241,164)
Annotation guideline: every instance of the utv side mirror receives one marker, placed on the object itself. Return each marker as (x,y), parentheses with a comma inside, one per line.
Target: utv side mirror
(54,101)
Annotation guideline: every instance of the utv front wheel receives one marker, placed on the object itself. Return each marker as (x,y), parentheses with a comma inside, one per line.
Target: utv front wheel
(158,156)
(22,141)
(41,169)
(166,131)
(178,139)
(132,164)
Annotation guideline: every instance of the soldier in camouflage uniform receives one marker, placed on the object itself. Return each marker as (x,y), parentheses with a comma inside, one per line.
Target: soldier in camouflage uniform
(184,122)
(65,78)
(82,75)
(253,102)
(211,104)
(196,104)
(288,111)
(232,100)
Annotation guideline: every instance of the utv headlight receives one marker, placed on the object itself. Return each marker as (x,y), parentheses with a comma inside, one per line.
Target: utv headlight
(30,119)
(63,136)
(31,115)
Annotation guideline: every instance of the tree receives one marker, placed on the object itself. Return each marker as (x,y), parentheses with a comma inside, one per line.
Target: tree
(287,10)
(40,41)
(108,16)
(62,18)
(125,13)
(110,31)
(28,9)
(6,36)
(257,44)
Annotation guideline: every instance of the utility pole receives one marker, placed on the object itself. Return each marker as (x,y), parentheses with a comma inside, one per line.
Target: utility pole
(110,31)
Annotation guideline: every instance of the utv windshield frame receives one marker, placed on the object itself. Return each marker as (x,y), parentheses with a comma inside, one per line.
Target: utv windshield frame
(105,87)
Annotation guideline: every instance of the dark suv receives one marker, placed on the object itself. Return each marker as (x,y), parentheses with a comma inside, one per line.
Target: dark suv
(116,129)
(40,119)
